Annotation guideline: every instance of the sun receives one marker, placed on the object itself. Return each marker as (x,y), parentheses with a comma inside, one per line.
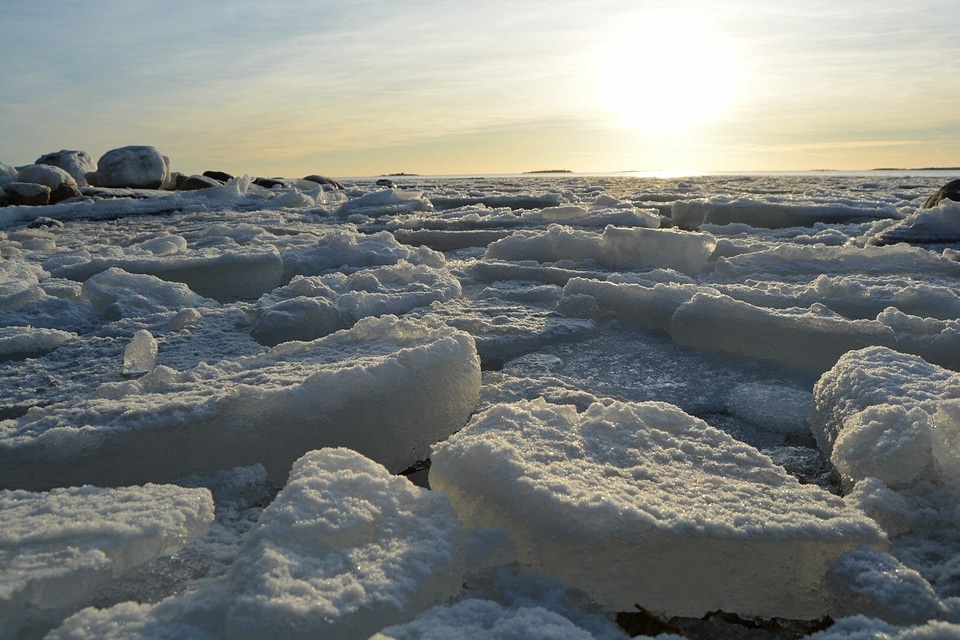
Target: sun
(666,74)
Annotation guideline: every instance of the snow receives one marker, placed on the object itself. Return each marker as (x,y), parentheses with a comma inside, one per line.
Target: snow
(578,491)
(683,394)
(57,546)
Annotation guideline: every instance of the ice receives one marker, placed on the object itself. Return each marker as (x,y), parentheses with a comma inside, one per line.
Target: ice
(20,343)
(778,408)
(118,294)
(874,416)
(684,518)
(387,387)
(140,355)
(338,248)
(686,252)
(864,628)
(314,306)
(56,548)
(806,339)
(345,550)
(224,275)
(267,307)
(692,214)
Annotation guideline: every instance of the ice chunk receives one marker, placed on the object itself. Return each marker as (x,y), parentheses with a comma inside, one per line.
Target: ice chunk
(340,248)
(20,343)
(686,252)
(640,502)
(809,340)
(58,547)
(864,628)
(118,294)
(224,275)
(869,582)
(345,550)
(314,306)
(691,214)
(387,387)
(882,404)
(649,305)
(140,355)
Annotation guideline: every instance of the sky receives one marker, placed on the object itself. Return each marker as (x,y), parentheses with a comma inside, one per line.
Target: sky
(297,87)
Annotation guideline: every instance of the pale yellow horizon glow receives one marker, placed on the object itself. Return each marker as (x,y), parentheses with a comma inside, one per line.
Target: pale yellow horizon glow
(457,88)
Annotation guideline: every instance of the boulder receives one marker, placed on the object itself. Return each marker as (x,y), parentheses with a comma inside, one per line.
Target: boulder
(27,193)
(62,185)
(222,176)
(7,174)
(137,167)
(324,181)
(77,163)
(196,182)
(269,183)
(949,191)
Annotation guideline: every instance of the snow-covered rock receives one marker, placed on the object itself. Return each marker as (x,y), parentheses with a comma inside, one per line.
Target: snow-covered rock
(77,163)
(135,166)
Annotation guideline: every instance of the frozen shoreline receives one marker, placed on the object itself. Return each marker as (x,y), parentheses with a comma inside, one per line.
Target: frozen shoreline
(568,291)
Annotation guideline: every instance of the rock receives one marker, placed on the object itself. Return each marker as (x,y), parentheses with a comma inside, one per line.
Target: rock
(7,174)
(196,182)
(77,163)
(222,176)
(324,181)
(27,193)
(62,185)
(137,167)
(385,182)
(268,183)
(949,191)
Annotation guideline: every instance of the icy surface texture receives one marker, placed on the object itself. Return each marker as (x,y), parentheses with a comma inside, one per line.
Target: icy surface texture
(880,413)
(640,502)
(387,387)
(314,306)
(343,551)
(616,246)
(692,214)
(56,547)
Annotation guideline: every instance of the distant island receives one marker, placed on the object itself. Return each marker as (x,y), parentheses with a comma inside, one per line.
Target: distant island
(549,171)
(917,169)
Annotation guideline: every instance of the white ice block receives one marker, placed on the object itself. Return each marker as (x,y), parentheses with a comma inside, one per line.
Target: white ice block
(642,503)
(387,387)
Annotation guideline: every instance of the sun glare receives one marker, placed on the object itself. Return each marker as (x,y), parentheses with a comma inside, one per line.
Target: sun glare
(666,74)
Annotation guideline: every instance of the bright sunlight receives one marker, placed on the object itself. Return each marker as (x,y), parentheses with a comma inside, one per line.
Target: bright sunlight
(667,74)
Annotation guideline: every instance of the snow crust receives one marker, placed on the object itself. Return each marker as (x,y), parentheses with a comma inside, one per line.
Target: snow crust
(222,334)
(676,510)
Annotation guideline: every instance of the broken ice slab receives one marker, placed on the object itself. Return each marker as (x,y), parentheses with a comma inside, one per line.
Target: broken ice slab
(643,503)
(388,388)
(345,550)
(56,548)
(888,415)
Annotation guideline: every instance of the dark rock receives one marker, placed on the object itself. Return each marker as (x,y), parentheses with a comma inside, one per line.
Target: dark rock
(195,182)
(268,183)
(324,181)
(64,192)
(222,176)
(27,193)
(385,182)
(949,191)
